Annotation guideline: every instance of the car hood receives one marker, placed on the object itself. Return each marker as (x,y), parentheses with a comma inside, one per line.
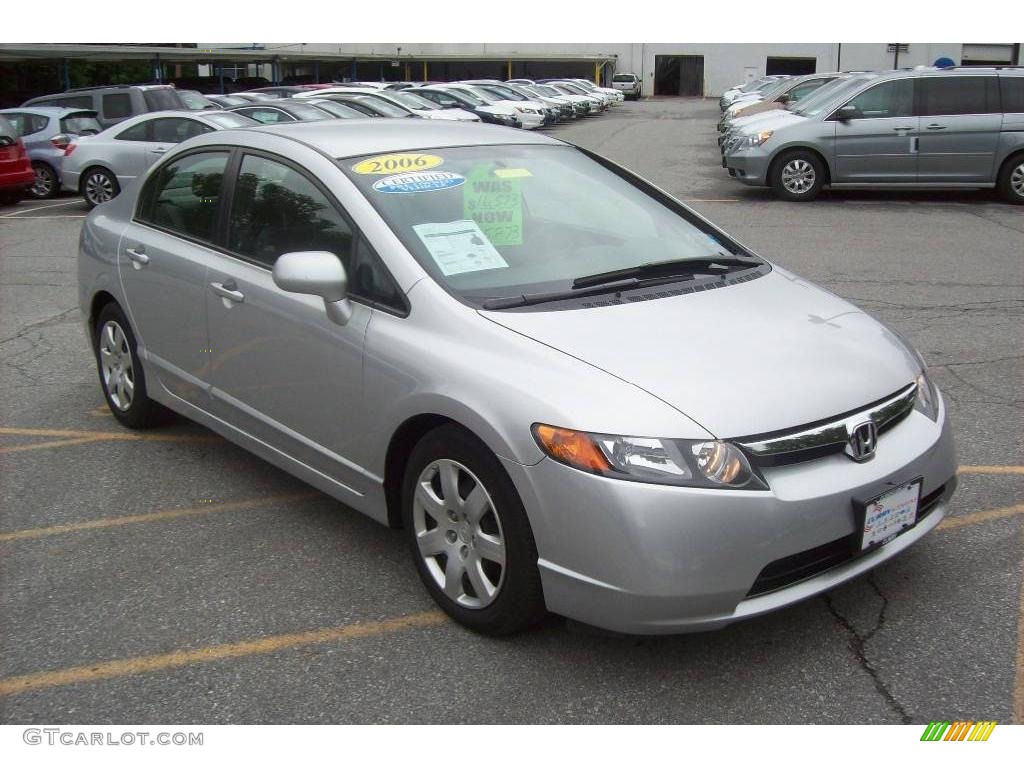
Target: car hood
(768,354)
(771,120)
(758,117)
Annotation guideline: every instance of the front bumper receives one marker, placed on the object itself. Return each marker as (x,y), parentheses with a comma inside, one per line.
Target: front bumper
(749,165)
(653,559)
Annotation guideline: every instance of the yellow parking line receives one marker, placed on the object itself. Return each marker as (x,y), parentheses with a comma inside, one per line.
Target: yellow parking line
(149,517)
(49,444)
(991,470)
(94,435)
(983,516)
(140,664)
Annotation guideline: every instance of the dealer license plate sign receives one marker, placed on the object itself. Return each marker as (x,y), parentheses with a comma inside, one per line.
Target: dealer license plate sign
(890,514)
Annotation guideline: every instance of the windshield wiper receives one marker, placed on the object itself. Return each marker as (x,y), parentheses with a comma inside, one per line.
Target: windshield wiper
(673,268)
(624,279)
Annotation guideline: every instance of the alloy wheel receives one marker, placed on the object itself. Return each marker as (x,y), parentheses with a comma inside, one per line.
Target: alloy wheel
(99,188)
(798,176)
(116,364)
(459,534)
(44,182)
(1017,180)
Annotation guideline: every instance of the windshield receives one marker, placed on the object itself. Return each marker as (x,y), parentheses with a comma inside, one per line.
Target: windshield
(500,93)
(753,85)
(382,106)
(465,95)
(547,90)
(307,111)
(230,120)
(623,78)
(828,94)
(498,221)
(412,101)
(337,109)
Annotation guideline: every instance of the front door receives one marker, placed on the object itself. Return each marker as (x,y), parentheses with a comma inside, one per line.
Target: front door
(282,371)
(878,143)
(162,262)
(960,124)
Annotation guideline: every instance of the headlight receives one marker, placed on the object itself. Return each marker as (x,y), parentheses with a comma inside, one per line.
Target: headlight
(746,142)
(695,463)
(927,401)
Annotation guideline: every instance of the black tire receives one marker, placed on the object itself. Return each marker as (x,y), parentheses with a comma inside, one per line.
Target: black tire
(519,601)
(47,183)
(12,196)
(98,185)
(141,412)
(798,175)
(1011,180)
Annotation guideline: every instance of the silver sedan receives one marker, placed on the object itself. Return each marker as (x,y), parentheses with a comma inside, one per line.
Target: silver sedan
(572,392)
(98,167)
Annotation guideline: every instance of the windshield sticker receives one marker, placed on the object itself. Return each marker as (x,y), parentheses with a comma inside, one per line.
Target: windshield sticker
(459,246)
(496,205)
(511,173)
(430,181)
(396,163)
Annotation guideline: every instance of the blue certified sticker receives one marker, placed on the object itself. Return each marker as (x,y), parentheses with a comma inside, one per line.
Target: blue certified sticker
(419,181)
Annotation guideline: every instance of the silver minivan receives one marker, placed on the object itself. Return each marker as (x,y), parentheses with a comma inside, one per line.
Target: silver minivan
(114,103)
(922,128)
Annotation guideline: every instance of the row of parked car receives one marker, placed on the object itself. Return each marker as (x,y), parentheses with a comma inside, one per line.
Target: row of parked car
(95,140)
(927,127)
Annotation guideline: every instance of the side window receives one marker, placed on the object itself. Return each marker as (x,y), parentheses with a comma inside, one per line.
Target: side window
(78,102)
(117,105)
(1013,93)
(804,88)
(892,99)
(36,123)
(183,195)
(370,279)
(173,130)
(268,115)
(277,210)
(19,120)
(138,132)
(959,95)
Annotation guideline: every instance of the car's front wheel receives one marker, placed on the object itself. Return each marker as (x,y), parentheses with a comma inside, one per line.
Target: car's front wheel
(99,186)
(121,374)
(1011,180)
(469,534)
(798,176)
(47,184)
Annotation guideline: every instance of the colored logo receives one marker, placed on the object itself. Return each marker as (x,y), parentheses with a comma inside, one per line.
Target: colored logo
(430,181)
(960,730)
(396,163)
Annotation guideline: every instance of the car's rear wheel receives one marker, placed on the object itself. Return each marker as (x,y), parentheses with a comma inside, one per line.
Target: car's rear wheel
(47,184)
(99,186)
(798,176)
(1011,180)
(121,374)
(469,534)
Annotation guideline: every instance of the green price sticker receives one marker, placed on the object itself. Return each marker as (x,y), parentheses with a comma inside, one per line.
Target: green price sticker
(495,204)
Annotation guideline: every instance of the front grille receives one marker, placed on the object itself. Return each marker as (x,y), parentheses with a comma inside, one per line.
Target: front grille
(792,569)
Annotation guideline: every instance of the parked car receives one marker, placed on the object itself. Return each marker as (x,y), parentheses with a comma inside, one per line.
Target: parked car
(452,98)
(583,105)
(255,97)
(518,101)
(284,91)
(737,91)
(411,102)
(613,94)
(566,109)
(630,85)
(115,103)
(283,111)
(370,103)
(555,108)
(196,100)
(788,91)
(462,359)
(46,133)
(958,127)
(16,174)
(98,167)
(597,104)
(530,115)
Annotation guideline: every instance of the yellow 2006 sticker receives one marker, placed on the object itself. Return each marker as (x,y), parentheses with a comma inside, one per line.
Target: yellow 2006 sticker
(404,161)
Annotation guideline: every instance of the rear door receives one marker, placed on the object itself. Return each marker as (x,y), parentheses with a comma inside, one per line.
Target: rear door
(168,131)
(162,261)
(878,144)
(961,119)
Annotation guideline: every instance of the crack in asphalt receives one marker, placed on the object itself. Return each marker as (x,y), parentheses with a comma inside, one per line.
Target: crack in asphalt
(857,645)
(52,320)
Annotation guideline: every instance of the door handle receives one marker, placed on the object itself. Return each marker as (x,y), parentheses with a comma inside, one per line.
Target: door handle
(904,128)
(228,290)
(936,127)
(138,257)
(158,150)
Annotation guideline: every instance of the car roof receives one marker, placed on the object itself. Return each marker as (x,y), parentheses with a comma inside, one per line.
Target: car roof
(48,111)
(349,138)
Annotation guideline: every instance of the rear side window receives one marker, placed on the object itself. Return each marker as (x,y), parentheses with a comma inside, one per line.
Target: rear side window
(117,105)
(1013,93)
(183,195)
(82,125)
(277,210)
(266,116)
(158,99)
(959,95)
(138,132)
(172,130)
(78,102)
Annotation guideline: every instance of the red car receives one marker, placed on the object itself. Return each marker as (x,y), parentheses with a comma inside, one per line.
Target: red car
(16,174)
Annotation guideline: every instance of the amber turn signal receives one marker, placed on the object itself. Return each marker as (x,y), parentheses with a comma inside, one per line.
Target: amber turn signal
(570,447)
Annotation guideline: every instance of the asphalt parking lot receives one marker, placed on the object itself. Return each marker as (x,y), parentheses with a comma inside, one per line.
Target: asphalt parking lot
(170,577)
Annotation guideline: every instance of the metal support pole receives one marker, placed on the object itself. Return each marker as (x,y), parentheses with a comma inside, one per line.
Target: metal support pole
(316,71)
(158,73)
(425,78)
(509,70)
(408,71)
(220,74)
(354,71)
(382,71)
(597,73)
(66,74)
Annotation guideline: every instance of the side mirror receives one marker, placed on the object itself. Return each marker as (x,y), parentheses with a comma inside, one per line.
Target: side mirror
(847,112)
(317,273)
